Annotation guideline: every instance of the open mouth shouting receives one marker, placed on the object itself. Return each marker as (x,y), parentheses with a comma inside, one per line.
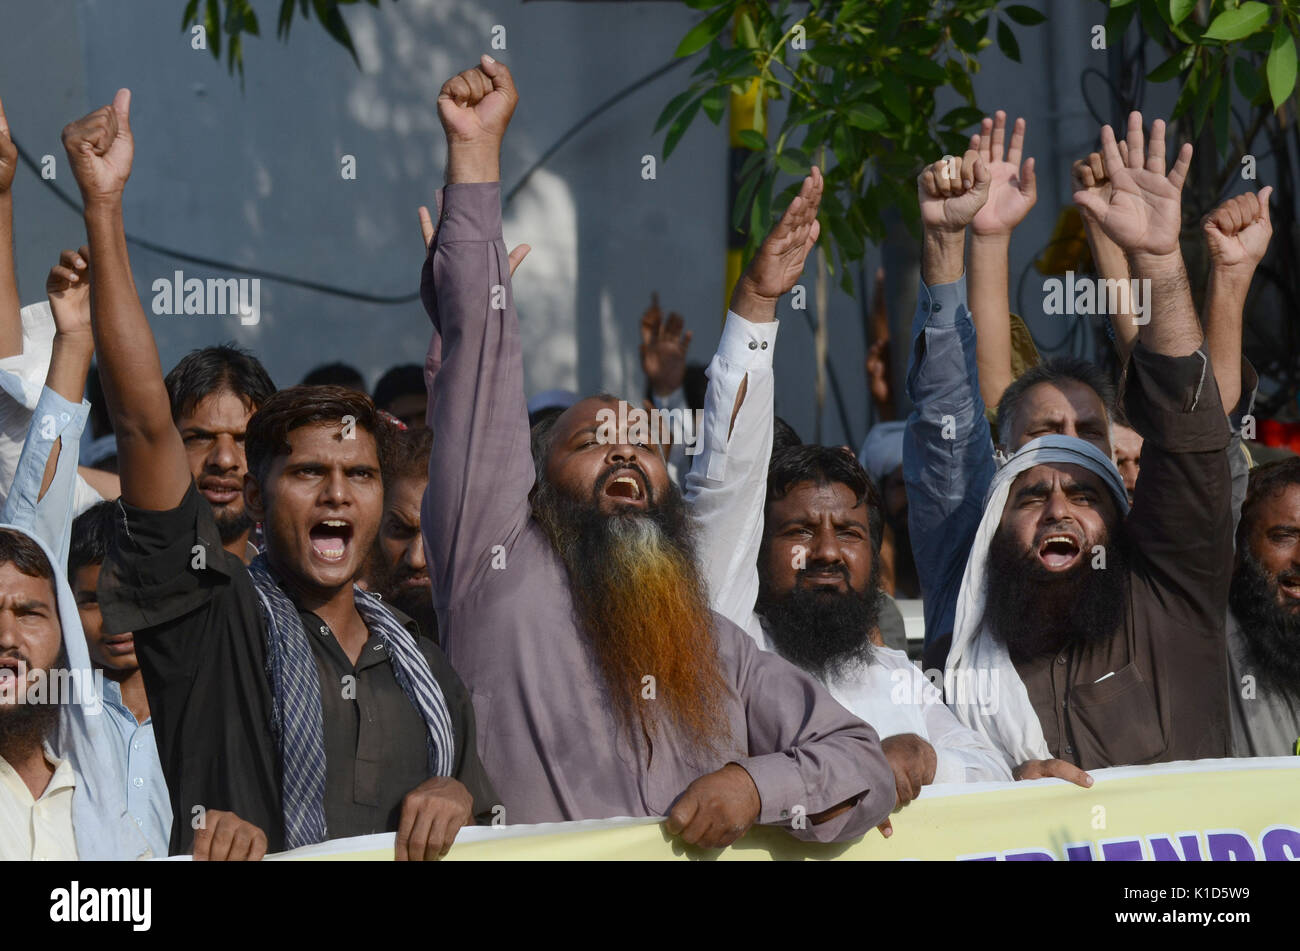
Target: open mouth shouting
(1289,586)
(1060,550)
(330,539)
(626,485)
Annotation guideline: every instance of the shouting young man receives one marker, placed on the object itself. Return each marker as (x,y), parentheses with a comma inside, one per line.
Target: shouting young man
(279,691)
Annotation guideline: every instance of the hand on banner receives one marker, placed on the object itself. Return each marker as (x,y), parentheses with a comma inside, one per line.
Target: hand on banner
(225,837)
(913,761)
(1058,768)
(432,813)
(716,809)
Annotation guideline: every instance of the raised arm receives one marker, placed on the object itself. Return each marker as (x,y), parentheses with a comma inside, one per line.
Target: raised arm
(1237,233)
(152,462)
(1143,216)
(11,326)
(1013,191)
(42,495)
(727,485)
(947,447)
(481,468)
(1089,175)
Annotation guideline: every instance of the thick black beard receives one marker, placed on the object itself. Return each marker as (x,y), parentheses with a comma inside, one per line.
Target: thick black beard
(1271,632)
(827,633)
(24,725)
(1034,612)
(230,527)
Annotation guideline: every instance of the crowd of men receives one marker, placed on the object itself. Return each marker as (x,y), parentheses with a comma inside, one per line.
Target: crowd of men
(280,616)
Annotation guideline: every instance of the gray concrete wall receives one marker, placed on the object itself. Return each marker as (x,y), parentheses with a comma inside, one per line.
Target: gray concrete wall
(252,176)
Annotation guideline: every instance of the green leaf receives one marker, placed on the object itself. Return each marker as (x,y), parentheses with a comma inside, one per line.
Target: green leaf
(714,103)
(787,162)
(961,117)
(894,96)
(332,20)
(702,34)
(675,105)
(212,26)
(1238,24)
(1007,42)
(1179,10)
(187,18)
(1281,67)
(1027,16)
(1222,113)
(1248,82)
(866,117)
(1173,66)
(1117,20)
(920,67)
(285,20)
(752,140)
(679,127)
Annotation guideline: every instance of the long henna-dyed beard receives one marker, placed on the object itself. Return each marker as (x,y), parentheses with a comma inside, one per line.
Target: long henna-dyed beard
(644,611)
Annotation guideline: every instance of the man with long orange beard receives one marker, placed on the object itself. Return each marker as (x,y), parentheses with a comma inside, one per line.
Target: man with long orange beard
(573,609)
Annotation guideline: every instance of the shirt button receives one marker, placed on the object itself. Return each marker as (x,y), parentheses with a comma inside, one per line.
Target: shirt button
(139,821)
(1069,749)
(135,745)
(753,345)
(137,782)
(1061,659)
(764,344)
(936,307)
(377,647)
(324,631)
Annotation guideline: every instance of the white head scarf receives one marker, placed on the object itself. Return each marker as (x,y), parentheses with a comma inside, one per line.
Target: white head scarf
(983,687)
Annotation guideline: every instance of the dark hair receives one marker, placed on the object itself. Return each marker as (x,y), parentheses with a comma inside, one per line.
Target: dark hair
(335,374)
(24,554)
(404,380)
(783,435)
(825,465)
(541,432)
(1266,482)
(224,367)
(1055,370)
(287,410)
(408,454)
(91,531)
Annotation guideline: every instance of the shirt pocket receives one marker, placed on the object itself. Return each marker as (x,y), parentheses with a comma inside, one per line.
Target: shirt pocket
(1116,721)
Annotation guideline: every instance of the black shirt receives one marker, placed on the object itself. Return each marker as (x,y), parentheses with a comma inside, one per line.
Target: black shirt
(200,640)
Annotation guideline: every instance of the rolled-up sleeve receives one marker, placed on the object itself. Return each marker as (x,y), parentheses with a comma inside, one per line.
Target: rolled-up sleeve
(947,454)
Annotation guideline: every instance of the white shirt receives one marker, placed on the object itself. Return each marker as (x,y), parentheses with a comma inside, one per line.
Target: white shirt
(37,829)
(22,377)
(727,490)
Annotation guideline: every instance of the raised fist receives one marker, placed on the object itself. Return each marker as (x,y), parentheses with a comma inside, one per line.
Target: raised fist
(1238,231)
(952,191)
(68,287)
(100,148)
(475,106)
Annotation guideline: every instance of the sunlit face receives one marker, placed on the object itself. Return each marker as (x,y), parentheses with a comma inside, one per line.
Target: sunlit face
(1274,541)
(213,433)
(400,544)
(112,652)
(1128,453)
(818,538)
(1057,513)
(30,633)
(1065,408)
(321,506)
(594,462)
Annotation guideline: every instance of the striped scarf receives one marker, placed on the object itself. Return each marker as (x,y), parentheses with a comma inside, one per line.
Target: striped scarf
(296,705)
